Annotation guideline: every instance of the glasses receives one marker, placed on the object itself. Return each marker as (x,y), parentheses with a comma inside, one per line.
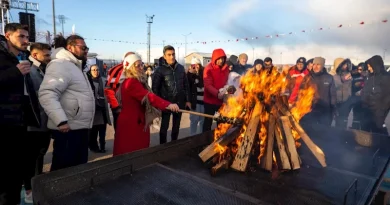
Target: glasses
(82,47)
(138,65)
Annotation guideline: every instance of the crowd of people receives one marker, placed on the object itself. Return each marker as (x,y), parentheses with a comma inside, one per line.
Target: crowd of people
(48,92)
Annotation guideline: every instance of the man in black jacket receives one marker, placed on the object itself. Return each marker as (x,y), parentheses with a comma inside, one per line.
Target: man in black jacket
(375,96)
(324,106)
(170,83)
(13,47)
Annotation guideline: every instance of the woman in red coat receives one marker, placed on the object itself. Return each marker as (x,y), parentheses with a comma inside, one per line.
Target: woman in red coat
(132,131)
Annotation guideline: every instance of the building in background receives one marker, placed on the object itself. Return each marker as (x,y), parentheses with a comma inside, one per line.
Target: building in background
(205,58)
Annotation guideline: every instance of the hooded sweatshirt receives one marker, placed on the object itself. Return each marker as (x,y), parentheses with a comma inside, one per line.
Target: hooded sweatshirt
(375,93)
(214,78)
(343,85)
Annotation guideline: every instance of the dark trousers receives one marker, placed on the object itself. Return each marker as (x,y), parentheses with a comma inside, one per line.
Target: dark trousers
(322,117)
(93,135)
(69,149)
(209,109)
(37,144)
(115,115)
(176,118)
(358,116)
(369,125)
(344,109)
(11,163)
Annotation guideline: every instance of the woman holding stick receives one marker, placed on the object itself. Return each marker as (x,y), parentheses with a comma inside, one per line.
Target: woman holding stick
(138,108)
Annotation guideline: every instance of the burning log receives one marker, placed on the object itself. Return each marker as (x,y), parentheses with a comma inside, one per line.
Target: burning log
(290,143)
(212,149)
(245,148)
(269,129)
(282,159)
(267,160)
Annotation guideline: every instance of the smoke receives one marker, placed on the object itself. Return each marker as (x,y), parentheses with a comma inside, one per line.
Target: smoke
(259,18)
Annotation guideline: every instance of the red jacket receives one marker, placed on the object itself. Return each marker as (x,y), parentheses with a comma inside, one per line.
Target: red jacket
(130,134)
(214,78)
(295,80)
(113,84)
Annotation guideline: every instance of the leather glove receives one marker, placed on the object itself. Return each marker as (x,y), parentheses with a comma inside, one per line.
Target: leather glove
(231,89)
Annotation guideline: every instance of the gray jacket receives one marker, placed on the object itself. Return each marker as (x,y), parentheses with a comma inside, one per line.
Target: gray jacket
(343,87)
(66,93)
(36,75)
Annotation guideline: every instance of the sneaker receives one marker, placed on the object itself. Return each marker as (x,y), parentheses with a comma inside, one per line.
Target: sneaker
(28,198)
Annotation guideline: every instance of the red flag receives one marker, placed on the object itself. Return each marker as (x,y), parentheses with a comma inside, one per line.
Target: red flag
(341,25)
(361,23)
(384,21)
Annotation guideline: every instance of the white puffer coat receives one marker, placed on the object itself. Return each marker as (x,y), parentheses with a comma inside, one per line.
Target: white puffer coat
(66,94)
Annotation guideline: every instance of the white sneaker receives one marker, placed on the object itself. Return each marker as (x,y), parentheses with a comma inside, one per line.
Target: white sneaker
(28,198)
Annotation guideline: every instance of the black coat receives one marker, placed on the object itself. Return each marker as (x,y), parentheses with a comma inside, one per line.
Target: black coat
(326,91)
(171,84)
(375,93)
(11,88)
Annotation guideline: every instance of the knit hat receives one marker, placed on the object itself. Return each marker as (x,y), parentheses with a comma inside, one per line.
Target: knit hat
(319,60)
(309,61)
(301,60)
(127,53)
(257,62)
(195,61)
(233,59)
(130,60)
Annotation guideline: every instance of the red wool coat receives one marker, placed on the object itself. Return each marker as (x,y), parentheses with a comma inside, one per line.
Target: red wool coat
(130,134)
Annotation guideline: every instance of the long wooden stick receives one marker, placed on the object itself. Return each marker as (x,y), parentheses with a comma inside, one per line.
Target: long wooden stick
(196,113)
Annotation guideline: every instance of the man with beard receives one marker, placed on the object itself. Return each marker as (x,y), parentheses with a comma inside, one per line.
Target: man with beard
(13,46)
(375,96)
(67,98)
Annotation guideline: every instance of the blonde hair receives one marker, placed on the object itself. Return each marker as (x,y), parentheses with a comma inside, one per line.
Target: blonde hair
(133,72)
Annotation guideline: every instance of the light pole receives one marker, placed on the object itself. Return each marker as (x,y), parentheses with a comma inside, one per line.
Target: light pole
(149,21)
(54,18)
(185,46)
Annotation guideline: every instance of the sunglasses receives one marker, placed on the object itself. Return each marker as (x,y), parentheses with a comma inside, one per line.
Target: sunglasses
(82,47)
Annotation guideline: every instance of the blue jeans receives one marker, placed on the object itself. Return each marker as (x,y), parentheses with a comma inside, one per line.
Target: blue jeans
(196,121)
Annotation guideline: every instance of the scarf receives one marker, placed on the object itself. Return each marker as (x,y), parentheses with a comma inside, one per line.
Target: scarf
(152,114)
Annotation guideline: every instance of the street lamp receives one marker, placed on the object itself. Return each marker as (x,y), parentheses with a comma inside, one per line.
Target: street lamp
(185,46)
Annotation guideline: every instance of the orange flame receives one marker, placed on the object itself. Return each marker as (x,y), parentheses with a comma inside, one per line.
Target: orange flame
(268,85)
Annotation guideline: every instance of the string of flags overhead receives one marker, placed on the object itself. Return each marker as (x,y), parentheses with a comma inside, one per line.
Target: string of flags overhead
(362,23)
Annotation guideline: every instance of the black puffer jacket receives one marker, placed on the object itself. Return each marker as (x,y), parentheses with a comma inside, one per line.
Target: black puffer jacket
(11,88)
(171,83)
(375,93)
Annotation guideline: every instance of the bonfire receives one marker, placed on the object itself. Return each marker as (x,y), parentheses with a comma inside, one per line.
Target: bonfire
(269,134)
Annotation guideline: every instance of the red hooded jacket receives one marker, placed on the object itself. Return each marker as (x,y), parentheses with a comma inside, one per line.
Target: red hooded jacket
(214,78)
